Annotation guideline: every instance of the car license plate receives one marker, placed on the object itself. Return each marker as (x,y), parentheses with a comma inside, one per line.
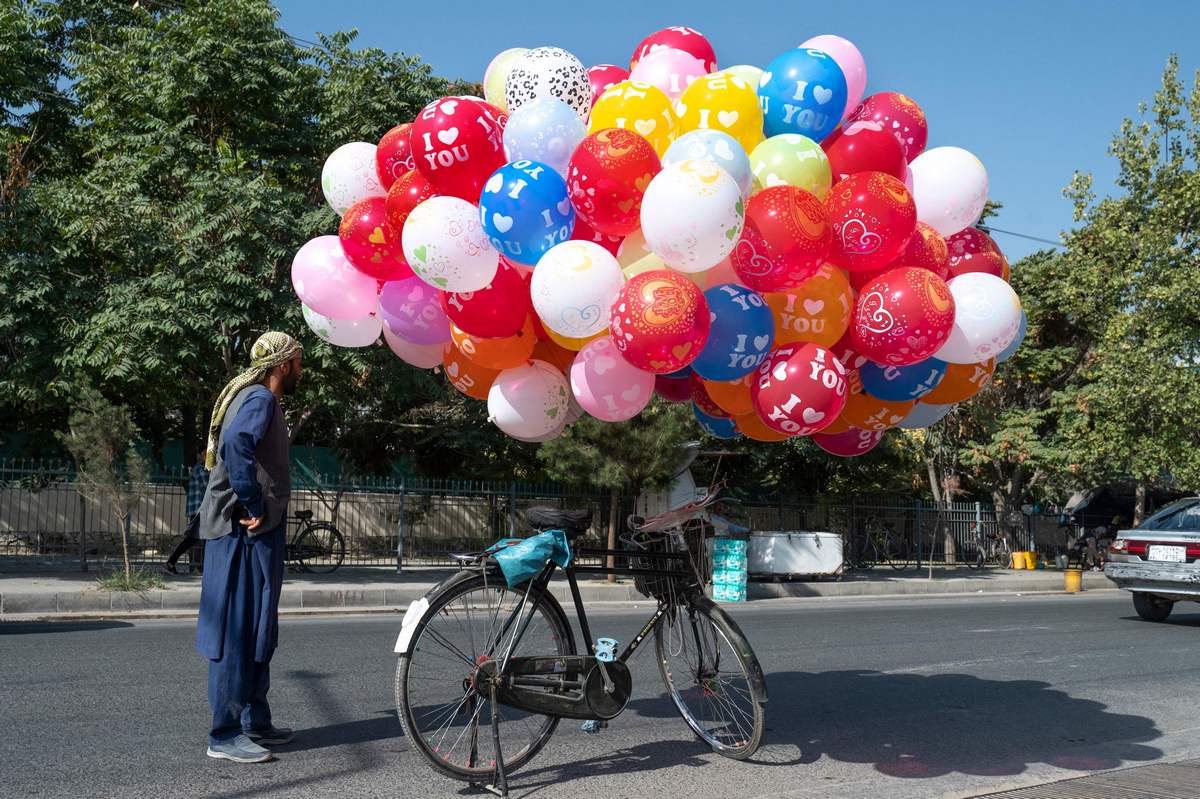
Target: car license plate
(1173,554)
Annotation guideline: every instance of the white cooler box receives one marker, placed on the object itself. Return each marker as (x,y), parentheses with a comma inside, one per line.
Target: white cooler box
(798,553)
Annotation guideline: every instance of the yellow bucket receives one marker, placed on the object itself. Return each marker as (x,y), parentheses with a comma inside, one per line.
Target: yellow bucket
(1018,560)
(1073,581)
(1030,560)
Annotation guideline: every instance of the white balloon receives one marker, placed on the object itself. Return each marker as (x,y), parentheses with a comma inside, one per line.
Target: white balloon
(446,245)
(716,146)
(422,356)
(924,414)
(349,176)
(573,288)
(1015,344)
(528,401)
(950,188)
(987,315)
(692,215)
(545,129)
(344,332)
(549,72)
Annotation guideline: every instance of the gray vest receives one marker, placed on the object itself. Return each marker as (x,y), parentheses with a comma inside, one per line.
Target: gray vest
(218,508)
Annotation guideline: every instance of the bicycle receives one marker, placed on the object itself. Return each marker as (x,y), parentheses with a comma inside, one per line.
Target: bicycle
(475,650)
(874,545)
(992,548)
(317,547)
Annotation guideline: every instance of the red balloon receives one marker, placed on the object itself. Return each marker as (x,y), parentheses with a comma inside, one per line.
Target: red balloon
(409,191)
(699,395)
(899,114)
(497,311)
(903,316)
(972,250)
(393,155)
(371,244)
(928,250)
(844,351)
(800,389)
(689,40)
(865,146)
(873,217)
(585,232)
(659,321)
(603,76)
(610,171)
(860,279)
(785,240)
(457,144)
(673,389)
(849,444)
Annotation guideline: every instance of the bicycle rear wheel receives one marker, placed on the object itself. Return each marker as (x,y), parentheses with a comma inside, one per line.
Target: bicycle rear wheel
(320,548)
(712,676)
(443,714)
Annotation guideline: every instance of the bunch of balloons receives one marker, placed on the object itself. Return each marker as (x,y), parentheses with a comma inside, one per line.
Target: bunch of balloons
(768,244)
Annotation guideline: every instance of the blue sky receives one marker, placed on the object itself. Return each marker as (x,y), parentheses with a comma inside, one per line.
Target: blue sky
(1035,89)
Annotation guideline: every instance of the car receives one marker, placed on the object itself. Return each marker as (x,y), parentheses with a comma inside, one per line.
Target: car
(1159,561)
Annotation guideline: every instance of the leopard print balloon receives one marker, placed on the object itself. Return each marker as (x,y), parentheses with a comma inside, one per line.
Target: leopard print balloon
(549,72)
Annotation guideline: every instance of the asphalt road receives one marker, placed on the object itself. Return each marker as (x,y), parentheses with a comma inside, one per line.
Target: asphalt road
(907,698)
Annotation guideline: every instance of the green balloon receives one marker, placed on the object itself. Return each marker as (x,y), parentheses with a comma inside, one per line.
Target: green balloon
(790,159)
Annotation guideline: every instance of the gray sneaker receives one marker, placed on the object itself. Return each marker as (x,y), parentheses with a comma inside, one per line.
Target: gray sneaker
(272,736)
(240,750)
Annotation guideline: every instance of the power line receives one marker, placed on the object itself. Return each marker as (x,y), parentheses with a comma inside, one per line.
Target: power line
(990,229)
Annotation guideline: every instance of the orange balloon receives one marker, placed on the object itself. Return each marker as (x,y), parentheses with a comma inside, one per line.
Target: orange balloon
(868,413)
(467,376)
(752,427)
(838,425)
(496,353)
(558,357)
(962,381)
(573,344)
(732,396)
(818,310)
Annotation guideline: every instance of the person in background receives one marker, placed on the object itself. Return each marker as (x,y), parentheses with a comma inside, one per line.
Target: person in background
(197,482)
(243,520)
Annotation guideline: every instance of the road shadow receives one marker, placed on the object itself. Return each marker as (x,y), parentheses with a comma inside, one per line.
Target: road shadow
(40,627)
(380,727)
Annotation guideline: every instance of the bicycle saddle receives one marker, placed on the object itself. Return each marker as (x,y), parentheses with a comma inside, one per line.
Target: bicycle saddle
(304,515)
(573,522)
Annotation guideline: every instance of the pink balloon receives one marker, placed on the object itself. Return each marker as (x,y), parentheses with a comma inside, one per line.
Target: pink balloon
(603,76)
(848,444)
(326,281)
(422,356)
(413,310)
(608,386)
(670,70)
(848,57)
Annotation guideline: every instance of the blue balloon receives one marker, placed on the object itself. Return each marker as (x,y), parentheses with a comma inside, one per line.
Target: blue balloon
(740,336)
(924,415)
(525,210)
(802,91)
(714,426)
(1011,349)
(544,129)
(902,383)
(684,372)
(712,145)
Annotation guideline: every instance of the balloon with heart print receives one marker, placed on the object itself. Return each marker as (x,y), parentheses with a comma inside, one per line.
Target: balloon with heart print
(362,332)
(370,243)
(525,210)
(689,40)
(785,240)
(575,344)
(790,159)
(849,444)
(407,192)
(961,382)
(902,317)
(1015,344)
(732,396)
(850,60)
(723,427)
(723,103)
(818,310)
(498,310)
(867,412)
(972,250)
(545,130)
(704,234)
(950,187)
(585,232)
(637,107)
(900,383)
(529,400)
(393,155)
(496,353)
(873,219)
(606,385)
(609,174)
(326,281)
(465,375)
(573,286)
(672,71)
(496,75)
(349,176)
(457,144)
(740,336)
(988,317)
(412,309)
(802,91)
(548,72)
(422,356)
(447,247)
(720,148)
(801,388)
(928,250)
(864,146)
(659,321)
(845,352)
(754,428)
(899,114)
(925,414)
(603,77)
(673,389)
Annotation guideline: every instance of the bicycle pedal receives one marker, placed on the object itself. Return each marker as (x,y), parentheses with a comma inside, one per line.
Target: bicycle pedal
(593,726)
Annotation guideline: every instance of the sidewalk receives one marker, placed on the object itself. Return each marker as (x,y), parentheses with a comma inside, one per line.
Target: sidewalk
(55,593)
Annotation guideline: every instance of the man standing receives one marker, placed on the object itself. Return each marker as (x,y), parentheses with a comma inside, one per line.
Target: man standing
(243,519)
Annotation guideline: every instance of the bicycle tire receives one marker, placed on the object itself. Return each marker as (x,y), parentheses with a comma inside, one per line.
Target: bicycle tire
(978,561)
(742,742)
(894,554)
(552,613)
(317,556)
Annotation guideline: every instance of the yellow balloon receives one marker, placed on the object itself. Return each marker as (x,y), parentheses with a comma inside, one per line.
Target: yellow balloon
(725,103)
(497,75)
(633,249)
(640,107)
(573,344)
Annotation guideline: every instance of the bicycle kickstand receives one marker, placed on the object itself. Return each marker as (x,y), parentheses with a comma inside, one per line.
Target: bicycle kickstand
(500,784)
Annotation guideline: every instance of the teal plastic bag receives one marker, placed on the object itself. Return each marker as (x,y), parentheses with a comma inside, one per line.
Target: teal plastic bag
(524,559)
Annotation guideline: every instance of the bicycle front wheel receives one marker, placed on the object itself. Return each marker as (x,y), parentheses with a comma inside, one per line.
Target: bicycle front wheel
(712,676)
(320,549)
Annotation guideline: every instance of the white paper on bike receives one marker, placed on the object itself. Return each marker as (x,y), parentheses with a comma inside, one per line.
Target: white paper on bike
(416,609)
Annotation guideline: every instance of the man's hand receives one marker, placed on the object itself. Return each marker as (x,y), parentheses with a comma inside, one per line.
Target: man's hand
(251,524)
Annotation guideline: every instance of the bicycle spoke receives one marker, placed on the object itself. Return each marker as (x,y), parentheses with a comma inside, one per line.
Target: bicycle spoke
(441,639)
